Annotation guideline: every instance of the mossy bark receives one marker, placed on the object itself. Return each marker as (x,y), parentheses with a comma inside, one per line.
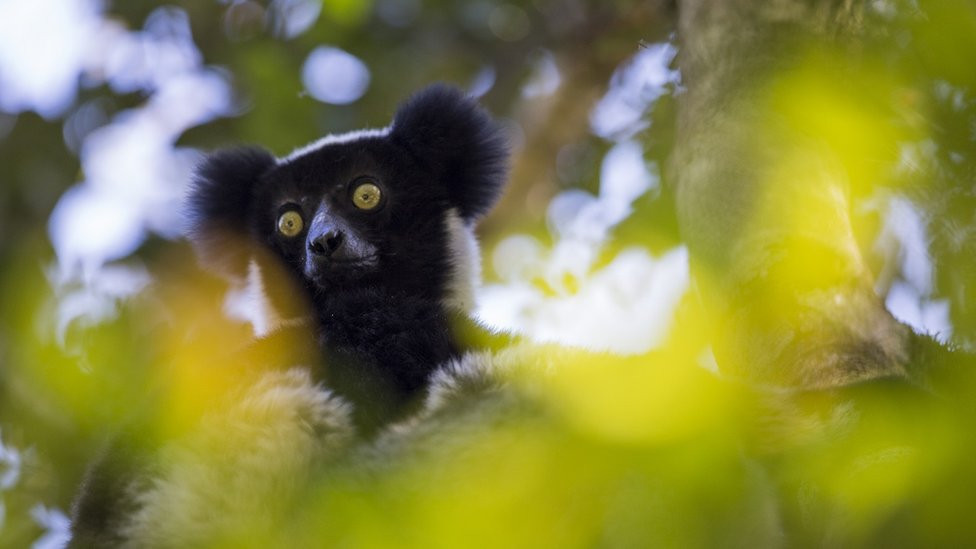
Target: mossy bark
(764,203)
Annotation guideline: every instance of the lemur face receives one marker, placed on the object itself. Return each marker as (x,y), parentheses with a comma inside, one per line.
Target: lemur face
(390,210)
(357,211)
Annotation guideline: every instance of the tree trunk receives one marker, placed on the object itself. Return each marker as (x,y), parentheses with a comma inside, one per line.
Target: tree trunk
(763,200)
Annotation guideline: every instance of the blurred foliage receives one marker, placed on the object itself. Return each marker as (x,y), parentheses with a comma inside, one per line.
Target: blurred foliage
(652,450)
(937,52)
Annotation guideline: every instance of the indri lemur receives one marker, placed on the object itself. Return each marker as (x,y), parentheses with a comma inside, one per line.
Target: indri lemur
(376,226)
(375,230)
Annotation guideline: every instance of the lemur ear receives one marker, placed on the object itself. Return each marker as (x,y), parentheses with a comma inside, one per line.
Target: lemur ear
(219,205)
(459,142)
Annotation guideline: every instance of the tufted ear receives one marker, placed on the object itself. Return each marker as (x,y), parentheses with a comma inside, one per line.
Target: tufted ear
(460,142)
(219,205)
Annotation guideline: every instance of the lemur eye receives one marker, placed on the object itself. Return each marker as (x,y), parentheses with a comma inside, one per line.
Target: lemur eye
(290,223)
(366,196)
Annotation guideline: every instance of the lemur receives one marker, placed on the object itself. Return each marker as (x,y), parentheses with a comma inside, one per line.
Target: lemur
(375,230)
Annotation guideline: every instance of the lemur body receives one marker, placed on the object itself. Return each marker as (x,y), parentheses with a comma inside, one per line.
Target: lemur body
(376,226)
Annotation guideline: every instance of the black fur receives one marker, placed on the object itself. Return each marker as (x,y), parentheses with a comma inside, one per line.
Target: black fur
(219,207)
(459,143)
(381,319)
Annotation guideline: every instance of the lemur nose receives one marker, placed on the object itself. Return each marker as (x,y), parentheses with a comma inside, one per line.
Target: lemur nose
(327,243)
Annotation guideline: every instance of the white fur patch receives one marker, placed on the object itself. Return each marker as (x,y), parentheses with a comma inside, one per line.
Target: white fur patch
(448,382)
(250,303)
(465,261)
(335,139)
(487,371)
(466,395)
(237,471)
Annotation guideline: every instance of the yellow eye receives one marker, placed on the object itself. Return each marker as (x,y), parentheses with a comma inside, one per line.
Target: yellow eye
(366,196)
(290,223)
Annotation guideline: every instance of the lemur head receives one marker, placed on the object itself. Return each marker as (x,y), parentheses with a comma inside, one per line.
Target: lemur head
(391,209)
